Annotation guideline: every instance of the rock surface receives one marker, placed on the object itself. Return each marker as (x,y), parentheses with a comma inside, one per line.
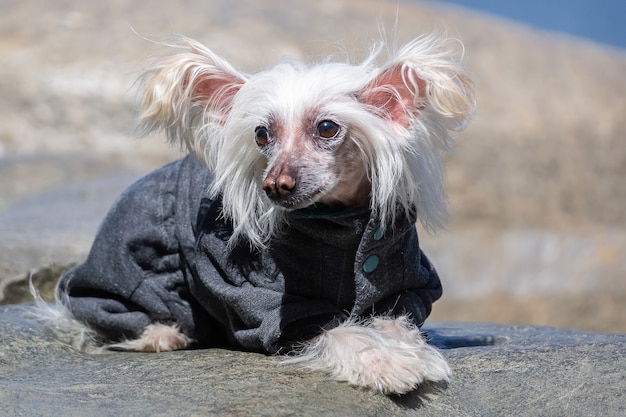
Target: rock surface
(497,371)
(48,231)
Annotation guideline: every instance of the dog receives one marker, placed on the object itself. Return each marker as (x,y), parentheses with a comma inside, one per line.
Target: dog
(290,227)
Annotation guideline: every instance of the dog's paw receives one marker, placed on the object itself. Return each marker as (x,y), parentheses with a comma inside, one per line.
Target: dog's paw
(157,337)
(402,359)
(384,354)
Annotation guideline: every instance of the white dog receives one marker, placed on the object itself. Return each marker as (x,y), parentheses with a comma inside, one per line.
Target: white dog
(291,227)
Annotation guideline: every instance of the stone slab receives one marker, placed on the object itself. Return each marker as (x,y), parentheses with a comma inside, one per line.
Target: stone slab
(498,370)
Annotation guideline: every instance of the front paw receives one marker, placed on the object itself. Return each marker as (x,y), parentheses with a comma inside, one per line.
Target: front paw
(383,354)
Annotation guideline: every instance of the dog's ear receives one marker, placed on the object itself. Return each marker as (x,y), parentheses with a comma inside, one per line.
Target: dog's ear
(424,73)
(424,95)
(187,93)
(397,93)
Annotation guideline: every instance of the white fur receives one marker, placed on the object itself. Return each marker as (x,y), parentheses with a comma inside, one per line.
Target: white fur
(60,321)
(157,337)
(384,354)
(404,163)
(395,123)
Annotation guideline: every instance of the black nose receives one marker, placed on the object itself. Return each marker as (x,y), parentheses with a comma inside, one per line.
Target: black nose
(277,187)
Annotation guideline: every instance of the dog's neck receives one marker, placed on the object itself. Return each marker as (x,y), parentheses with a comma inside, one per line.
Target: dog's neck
(352,192)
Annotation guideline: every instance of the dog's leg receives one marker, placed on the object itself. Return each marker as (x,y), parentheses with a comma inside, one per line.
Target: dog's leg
(388,355)
(157,337)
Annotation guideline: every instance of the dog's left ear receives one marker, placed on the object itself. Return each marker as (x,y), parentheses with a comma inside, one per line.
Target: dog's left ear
(423,73)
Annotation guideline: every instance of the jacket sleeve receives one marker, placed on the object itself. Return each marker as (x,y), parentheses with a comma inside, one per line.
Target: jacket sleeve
(417,300)
(132,275)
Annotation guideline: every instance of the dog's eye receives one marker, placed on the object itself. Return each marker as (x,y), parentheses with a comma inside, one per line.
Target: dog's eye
(262,136)
(327,129)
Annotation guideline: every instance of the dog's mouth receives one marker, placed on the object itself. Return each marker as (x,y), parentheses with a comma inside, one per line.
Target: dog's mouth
(294,202)
(297,201)
(297,192)
(313,203)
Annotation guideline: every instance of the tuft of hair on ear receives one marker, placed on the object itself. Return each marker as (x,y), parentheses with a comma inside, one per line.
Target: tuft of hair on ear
(188,93)
(425,95)
(436,61)
(425,72)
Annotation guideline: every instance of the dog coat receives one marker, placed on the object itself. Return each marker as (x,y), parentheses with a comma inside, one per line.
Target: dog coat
(161,255)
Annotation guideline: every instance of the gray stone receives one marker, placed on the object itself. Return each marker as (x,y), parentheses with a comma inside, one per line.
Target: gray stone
(498,370)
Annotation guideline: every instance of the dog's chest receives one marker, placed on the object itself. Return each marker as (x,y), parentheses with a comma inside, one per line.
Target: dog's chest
(316,256)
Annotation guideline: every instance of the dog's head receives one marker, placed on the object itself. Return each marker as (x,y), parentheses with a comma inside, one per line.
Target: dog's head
(332,133)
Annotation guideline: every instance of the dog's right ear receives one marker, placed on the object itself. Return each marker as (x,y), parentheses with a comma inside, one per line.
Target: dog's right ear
(188,94)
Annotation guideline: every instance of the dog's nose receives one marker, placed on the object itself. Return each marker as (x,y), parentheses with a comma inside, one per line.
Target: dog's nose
(281,186)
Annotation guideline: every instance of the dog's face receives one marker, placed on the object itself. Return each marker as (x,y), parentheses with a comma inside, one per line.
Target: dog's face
(301,124)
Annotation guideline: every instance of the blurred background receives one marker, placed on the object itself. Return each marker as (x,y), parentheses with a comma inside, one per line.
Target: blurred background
(537,183)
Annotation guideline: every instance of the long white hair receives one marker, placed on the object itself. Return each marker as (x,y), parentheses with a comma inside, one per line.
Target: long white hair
(400,114)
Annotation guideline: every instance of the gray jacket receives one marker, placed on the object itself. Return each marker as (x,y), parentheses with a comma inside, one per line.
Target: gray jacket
(161,255)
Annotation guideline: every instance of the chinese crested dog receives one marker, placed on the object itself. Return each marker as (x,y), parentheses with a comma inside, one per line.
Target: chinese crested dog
(290,226)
